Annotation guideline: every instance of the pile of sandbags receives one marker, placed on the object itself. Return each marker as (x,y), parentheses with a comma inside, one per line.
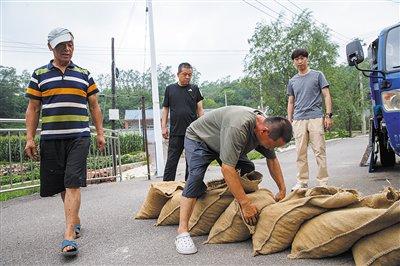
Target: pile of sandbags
(335,232)
(214,202)
(278,223)
(380,248)
(169,214)
(316,223)
(163,202)
(230,226)
(159,193)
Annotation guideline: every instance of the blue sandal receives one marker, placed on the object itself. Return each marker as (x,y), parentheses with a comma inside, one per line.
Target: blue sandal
(77,229)
(69,243)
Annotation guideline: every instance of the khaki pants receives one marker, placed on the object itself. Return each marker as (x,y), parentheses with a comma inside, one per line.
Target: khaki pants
(305,132)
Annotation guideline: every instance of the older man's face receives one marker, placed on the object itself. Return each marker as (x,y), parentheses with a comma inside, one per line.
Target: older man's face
(266,141)
(185,76)
(63,52)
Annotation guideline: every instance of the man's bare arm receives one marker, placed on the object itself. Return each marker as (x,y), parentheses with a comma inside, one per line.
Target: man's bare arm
(231,177)
(290,108)
(276,173)
(32,120)
(164,120)
(97,118)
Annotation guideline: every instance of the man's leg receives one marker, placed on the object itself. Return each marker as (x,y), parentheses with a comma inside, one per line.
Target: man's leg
(317,141)
(77,220)
(301,139)
(72,203)
(175,148)
(198,157)
(186,209)
(75,177)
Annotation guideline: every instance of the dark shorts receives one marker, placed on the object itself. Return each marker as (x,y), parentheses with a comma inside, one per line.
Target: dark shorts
(198,157)
(62,164)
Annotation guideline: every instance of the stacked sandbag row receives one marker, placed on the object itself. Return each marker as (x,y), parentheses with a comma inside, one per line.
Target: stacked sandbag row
(318,222)
(159,194)
(278,223)
(335,232)
(163,201)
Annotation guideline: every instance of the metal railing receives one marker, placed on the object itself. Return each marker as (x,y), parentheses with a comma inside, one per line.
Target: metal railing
(18,172)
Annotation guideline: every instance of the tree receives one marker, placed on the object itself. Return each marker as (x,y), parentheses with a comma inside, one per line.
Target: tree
(271,45)
(12,90)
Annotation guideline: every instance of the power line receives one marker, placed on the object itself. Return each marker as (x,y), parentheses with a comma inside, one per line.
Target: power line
(126,26)
(174,53)
(268,7)
(260,10)
(295,5)
(302,10)
(132,50)
(285,7)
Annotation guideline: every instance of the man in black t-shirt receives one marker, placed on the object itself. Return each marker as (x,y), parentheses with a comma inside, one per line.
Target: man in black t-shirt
(185,104)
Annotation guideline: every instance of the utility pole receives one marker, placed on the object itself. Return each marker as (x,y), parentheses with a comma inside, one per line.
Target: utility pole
(226,100)
(113,142)
(112,81)
(363,122)
(145,145)
(155,97)
(261,98)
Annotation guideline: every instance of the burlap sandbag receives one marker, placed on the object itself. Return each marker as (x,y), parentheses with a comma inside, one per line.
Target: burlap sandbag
(249,181)
(334,232)
(230,226)
(207,210)
(169,214)
(380,248)
(217,198)
(278,223)
(159,193)
(381,200)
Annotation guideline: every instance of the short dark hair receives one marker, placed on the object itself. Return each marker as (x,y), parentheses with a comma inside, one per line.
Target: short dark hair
(299,52)
(279,127)
(183,65)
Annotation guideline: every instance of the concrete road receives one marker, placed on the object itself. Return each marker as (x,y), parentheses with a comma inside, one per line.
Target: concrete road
(32,227)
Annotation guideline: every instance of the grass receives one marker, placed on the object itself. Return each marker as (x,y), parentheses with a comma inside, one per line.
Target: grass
(18,193)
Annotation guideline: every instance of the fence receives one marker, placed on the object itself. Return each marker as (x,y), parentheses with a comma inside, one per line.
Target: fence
(19,172)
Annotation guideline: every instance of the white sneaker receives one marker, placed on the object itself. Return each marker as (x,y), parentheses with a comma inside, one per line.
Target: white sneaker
(300,185)
(184,244)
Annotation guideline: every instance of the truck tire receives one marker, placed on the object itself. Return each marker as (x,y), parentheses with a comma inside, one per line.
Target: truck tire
(387,156)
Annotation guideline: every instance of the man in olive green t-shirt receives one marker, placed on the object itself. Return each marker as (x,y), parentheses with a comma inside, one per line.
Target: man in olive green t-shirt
(227,134)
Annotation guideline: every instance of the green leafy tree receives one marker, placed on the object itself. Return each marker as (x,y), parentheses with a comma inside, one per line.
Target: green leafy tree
(12,90)
(271,45)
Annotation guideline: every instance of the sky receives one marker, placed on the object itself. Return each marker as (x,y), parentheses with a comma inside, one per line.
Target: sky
(210,34)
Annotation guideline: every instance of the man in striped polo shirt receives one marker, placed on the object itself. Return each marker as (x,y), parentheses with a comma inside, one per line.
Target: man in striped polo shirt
(61,91)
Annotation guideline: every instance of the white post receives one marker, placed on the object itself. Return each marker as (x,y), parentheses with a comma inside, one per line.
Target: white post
(139,118)
(261,98)
(363,123)
(155,97)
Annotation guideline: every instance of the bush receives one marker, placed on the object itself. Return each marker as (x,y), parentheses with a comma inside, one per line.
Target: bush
(336,134)
(17,178)
(17,144)
(133,157)
(18,193)
(130,143)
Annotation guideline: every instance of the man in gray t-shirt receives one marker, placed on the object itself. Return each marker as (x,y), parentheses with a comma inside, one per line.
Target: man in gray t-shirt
(305,91)
(227,134)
